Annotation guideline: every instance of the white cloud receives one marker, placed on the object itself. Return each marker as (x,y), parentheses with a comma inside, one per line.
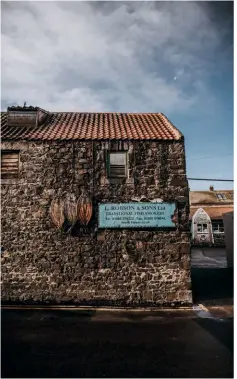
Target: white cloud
(107,56)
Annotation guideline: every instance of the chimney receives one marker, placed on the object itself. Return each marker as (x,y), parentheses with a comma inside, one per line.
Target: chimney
(211,188)
(25,116)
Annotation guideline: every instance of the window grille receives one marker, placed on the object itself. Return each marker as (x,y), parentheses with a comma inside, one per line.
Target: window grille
(117,165)
(202,228)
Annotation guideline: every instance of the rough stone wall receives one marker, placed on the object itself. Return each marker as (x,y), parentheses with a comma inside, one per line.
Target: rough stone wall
(117,267)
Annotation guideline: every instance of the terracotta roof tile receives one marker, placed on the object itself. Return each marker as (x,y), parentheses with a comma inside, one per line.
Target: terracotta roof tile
(213,212)
(210,197)
(75,125)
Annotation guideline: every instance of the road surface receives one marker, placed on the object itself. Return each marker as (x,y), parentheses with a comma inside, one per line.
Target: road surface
(192,343)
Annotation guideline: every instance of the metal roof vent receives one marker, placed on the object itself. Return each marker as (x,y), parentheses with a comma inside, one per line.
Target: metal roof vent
(25,116)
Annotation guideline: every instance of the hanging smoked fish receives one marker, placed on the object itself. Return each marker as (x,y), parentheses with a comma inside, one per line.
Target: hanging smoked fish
(56,212)
(84,209)
(70,210)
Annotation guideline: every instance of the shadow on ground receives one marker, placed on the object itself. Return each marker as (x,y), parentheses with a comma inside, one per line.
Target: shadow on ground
(212,284)
(223,331)
(59,344)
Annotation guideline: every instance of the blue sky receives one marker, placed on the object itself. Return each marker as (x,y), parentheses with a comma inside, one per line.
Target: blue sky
(169,57)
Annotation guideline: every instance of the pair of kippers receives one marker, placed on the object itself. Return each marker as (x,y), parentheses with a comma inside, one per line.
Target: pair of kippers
(71,210)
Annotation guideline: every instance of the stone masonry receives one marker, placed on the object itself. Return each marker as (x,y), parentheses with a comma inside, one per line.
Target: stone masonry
(123,267)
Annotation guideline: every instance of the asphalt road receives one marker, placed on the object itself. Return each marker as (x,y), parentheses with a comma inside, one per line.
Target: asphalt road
(69,343)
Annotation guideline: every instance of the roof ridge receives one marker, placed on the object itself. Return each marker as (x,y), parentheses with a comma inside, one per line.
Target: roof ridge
(128,113)
(157,113)
(212,205)
(221,190)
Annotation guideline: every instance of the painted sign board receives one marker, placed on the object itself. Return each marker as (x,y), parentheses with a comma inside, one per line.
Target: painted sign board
(137,215)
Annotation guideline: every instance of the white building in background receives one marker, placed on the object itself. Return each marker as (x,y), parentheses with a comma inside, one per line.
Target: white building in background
(211,237)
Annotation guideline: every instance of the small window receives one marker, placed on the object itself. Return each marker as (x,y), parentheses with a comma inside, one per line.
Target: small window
(9,164)
(202,228)
(221,196)
(217,227)
(117,165)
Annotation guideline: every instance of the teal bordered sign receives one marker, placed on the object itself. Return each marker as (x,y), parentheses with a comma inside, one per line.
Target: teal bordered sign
(137,215)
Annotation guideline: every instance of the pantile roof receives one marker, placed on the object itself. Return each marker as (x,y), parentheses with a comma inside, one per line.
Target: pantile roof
(211,197)
(94,126)
(210,201)
(213,212)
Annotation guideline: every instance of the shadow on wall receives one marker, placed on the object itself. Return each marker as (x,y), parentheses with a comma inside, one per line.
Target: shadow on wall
(212,283)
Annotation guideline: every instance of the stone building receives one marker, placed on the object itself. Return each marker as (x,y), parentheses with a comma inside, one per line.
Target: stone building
(210,234)
(121,161)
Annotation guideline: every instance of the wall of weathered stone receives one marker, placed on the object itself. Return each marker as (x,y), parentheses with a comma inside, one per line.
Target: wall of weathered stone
(119,267)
